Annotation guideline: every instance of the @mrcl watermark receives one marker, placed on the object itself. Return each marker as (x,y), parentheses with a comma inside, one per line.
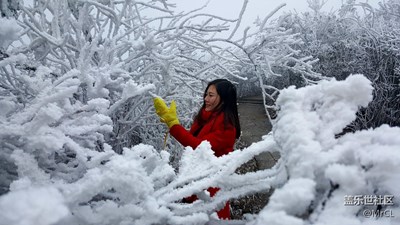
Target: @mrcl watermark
(371,200)
(375,213)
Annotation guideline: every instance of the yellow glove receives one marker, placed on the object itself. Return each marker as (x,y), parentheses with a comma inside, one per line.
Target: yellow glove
(167,115)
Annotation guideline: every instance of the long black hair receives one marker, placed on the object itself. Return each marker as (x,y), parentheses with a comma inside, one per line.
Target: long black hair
(228,104)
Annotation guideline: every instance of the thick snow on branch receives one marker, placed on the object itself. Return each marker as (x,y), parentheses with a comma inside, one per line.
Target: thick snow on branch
(324,168)
(36,205)
(311,179)
(137,187)
(122,50)
(8,32)
(76,88)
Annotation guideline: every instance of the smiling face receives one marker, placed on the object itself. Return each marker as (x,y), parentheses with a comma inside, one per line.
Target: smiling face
(212,98)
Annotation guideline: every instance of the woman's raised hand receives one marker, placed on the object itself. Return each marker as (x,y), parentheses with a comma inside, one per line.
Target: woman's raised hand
(167,115)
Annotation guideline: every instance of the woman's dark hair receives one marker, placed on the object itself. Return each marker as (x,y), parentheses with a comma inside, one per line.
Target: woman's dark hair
(228,104)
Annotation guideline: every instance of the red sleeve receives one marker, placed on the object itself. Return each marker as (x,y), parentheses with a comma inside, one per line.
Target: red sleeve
(184,136)
(221,140)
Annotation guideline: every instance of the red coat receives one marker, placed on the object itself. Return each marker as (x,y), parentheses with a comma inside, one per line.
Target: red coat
(221,137)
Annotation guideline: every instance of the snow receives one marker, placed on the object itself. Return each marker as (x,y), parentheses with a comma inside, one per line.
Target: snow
(12,59)
(8,32)
(86,93)
(294,197)
(315,171)
(278,218)
(33,206)
(29,172)
(322,168)
(6,106)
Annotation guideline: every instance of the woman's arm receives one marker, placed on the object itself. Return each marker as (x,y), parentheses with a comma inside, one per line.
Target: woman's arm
(221,140)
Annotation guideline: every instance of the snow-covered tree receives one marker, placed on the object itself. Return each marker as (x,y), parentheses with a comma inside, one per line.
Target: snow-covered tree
(78,76)
(322,168)
(77,79)
(311,179)
(113,57)
(138,186)
(274,53)
(356,39)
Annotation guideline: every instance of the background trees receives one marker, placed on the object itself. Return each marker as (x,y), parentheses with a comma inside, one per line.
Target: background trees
(346,43)
(116,55)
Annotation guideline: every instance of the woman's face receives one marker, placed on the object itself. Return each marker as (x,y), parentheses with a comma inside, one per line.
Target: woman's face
(212,98)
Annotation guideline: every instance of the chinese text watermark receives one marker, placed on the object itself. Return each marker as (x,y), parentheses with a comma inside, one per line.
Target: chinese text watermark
(371,200)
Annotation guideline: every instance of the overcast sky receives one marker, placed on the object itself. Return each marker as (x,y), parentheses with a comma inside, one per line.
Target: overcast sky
(231,8)
(256,7)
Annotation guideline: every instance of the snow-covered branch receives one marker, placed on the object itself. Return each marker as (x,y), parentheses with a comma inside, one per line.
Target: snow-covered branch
(324,168)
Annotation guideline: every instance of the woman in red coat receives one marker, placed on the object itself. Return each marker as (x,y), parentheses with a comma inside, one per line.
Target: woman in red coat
(217,122)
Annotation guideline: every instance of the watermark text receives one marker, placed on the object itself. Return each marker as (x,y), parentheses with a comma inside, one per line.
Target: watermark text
(374,213)
(368,200)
